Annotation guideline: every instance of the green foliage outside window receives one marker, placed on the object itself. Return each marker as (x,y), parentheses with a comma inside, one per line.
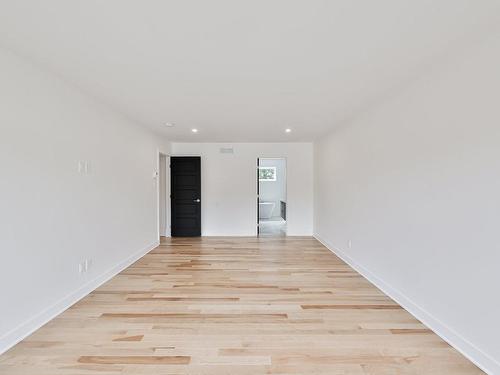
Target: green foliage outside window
(267,173)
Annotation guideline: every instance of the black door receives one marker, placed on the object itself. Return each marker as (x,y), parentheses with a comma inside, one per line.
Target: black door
(185,196)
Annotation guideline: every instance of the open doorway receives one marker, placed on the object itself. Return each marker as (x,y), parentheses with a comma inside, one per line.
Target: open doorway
(163,193)
(271,196)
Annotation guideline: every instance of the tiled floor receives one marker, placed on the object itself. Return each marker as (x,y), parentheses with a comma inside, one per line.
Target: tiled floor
(273,227)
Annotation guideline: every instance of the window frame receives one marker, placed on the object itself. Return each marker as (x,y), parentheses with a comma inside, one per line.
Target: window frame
(268,179)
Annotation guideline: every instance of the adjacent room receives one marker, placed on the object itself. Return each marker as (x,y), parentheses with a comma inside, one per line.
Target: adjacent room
(272,196)
(249,187)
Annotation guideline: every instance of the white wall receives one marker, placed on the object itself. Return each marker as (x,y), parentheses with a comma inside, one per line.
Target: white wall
(229,181)
(415,184)
(51,216)
(274,191)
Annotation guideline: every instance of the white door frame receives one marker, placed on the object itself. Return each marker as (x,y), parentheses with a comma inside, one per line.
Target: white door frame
(257,187)
(163,195)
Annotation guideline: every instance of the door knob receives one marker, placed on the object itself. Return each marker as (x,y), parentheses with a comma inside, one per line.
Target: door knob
(197,200)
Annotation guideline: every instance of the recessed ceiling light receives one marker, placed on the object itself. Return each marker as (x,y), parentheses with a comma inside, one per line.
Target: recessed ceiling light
(169,124)
(194,130)
(288,130)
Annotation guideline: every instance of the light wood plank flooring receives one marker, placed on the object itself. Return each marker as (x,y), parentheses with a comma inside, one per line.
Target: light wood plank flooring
(236,306)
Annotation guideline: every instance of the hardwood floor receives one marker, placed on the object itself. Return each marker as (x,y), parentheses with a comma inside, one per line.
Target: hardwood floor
(236,306)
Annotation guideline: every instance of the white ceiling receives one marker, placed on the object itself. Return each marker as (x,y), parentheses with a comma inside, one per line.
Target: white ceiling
(240,70)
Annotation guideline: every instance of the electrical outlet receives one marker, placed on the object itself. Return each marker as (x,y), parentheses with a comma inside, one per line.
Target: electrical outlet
(84,267)
(84,167)
(87,264)
(349,244)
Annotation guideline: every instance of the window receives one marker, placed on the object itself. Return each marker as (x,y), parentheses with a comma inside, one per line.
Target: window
(267,173)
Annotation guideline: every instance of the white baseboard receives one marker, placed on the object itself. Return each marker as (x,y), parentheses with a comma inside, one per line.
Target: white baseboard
(484,361)
(25,329)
